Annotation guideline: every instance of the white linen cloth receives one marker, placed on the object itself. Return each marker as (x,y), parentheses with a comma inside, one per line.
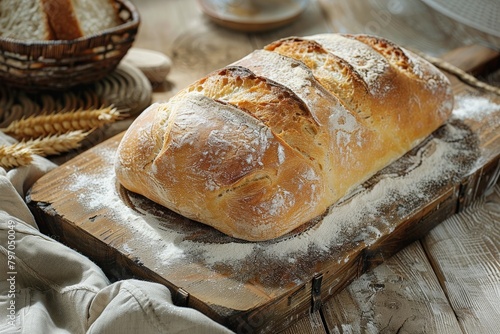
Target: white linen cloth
(46,287)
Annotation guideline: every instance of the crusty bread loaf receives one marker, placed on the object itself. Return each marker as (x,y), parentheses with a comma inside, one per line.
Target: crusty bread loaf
(56,19)
(270,142)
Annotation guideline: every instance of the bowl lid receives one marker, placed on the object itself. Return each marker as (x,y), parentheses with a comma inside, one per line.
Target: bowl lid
(483,15)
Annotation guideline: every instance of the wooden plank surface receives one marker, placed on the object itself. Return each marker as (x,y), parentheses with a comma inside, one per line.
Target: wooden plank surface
(401,296)
(311,324)
(465,254)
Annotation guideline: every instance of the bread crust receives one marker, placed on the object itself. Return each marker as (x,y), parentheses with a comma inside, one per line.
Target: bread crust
(270,142)
(62,19)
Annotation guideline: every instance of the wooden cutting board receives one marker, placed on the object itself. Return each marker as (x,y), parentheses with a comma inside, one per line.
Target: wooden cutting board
(265,286)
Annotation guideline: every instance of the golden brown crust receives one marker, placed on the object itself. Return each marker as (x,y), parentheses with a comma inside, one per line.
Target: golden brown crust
(264,145)
(393,53)
(345,82)
(240,87)
(232,167)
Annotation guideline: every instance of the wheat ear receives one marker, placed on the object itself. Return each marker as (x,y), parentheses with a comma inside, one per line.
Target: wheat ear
(58,123)
(58,143)
(15,155)
(21,154)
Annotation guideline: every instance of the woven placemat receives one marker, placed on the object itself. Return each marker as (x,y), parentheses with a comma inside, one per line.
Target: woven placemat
(126,88)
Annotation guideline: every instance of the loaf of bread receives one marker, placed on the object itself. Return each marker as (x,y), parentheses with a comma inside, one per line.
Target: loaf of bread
(56,19)
(266,144)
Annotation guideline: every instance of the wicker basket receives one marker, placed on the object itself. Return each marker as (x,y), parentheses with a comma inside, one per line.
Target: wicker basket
(58,65)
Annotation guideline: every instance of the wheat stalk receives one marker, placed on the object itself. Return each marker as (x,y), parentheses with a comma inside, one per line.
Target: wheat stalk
(21,154)
(459,73)
(56,144)
(58,123)
(15,155)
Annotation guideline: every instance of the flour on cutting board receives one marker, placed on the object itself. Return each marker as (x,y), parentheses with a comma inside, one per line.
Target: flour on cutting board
(97,193)
(362,217)
(474,107)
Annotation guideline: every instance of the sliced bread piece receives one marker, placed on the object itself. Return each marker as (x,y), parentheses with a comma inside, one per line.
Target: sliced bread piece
(24,20)
(56,19)
(95,16)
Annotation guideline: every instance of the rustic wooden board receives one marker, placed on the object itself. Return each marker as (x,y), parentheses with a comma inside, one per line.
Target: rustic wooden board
(263,287)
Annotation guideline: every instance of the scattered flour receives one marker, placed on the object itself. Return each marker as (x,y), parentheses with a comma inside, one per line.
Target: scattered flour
(361,218)
(98,193)
(474,107)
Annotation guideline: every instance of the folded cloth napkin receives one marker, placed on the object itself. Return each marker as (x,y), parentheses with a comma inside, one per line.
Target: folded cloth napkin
(47,287)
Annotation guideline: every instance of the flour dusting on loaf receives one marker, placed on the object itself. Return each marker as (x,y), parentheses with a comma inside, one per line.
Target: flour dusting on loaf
(266,144)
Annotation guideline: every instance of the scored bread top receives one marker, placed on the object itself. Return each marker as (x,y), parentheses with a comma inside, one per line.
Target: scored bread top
(268,143)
